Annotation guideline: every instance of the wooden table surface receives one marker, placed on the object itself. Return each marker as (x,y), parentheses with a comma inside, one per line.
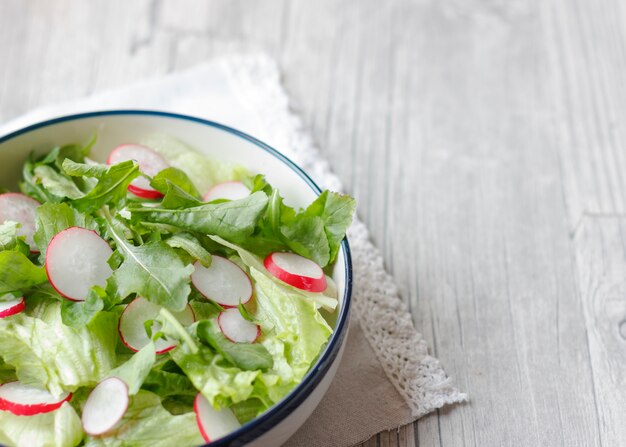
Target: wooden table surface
(485,141)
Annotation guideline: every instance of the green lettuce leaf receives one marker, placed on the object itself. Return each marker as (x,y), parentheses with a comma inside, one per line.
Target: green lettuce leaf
(174,176)
(53,218)
(147,423)
(296,330)
(204,171)
(167,384)
(71,358)
(59,428)
(246,356)
(17,272)
(135,370)
(79,313)
(215,377)
(8,235)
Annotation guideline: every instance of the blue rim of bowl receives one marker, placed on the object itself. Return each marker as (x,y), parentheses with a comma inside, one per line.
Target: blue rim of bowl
(274,415)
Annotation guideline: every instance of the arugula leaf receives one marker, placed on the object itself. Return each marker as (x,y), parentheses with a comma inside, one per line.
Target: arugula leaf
(83,169)
(57,184)
(315,233)
(192,246)
(79,313)
(31,186)
(247,356)
(176,177)
(306,236)
(336,211)
(53,218)
(153,271)
(234,220)
(177,198)
(17,272)
(111,187)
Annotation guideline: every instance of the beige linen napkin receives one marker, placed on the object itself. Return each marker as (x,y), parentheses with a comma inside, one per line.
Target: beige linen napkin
(386,378)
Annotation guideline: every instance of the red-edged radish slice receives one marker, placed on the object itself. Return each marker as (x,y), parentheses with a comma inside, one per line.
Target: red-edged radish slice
(25,400)
(12,307)
(223,282)
(105,406)
(297,271)
(132,327)
(236,328)
(213,424)
(227,190)
(76,260)
(20,208)
(150,163)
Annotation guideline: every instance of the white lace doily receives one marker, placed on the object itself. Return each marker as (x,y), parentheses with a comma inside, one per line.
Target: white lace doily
(383,316)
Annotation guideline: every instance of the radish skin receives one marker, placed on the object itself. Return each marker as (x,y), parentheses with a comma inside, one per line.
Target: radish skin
(296,270)
(150,163)
(8,308)
(25,400)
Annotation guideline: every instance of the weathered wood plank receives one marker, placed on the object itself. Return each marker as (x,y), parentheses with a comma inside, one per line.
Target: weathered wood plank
(601,256)
(474,135)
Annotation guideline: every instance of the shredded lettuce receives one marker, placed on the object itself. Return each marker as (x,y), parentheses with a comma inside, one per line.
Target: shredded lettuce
(48,354)
(59,428)
(204,172)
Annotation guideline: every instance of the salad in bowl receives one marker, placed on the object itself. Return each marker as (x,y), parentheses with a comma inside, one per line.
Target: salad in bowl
(158,297)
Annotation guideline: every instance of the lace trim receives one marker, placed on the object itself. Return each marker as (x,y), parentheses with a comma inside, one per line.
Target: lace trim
(383,316)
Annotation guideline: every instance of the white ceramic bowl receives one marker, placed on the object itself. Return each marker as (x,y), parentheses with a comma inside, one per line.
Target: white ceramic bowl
(276,425)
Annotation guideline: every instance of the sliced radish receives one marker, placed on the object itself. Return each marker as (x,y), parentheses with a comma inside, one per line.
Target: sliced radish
(132,327)
(20,208)
(25,400)
(223,282)
(105,406)
(227,190)
(213,424)
(12,307)
(76,260)
(297,271)
(150,163)
(236,328)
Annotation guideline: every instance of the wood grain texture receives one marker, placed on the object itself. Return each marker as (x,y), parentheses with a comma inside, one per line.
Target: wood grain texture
(484,141)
